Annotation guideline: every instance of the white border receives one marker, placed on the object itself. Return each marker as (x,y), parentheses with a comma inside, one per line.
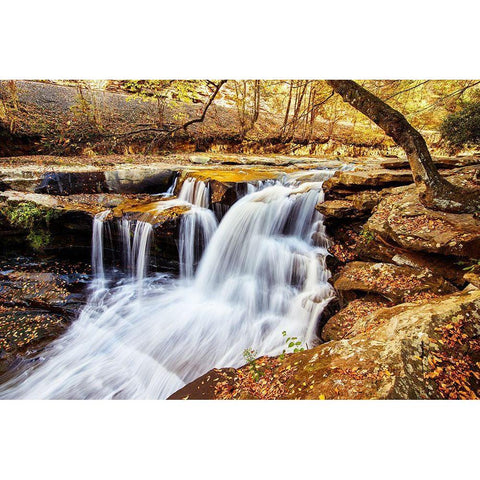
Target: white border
(248,39)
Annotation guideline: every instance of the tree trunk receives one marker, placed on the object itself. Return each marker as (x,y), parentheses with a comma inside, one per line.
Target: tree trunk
(434,191)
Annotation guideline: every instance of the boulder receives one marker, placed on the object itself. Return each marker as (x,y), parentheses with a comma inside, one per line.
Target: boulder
(396,283)
(36,307)
(139,180)
(440,162)
(65,183)
(338,209)
(340,325)
(411,351)
(363,179)
(401,219)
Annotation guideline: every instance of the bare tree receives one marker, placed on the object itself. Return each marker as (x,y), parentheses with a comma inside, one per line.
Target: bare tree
(434,190)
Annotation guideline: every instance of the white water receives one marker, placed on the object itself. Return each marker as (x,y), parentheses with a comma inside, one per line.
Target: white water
(97,245)
(196,230)
(260,275)
(195,192)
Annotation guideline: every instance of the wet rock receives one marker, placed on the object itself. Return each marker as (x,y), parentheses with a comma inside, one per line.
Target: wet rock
(396,283)
(411,351)
(36,289)
(61,183)
(166,222)
(331,309)
(203,388)
(139,180)
(23,329)
(36,307)
(226,193)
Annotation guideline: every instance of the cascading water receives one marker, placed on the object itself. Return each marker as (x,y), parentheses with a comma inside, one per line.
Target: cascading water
(259,275)
(196,230)
(97,245)
(195,192)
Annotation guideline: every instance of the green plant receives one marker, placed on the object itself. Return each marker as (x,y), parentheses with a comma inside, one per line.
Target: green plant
(249,354)
(24,215)
(368,235)
(462,128)
(36,220)
(472,267)
(292,343)
(39,239)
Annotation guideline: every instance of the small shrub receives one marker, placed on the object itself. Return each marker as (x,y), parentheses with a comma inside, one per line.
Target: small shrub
(462,128)
(39,240)
(250,357)
(293,343)
(368,235)
(36,220)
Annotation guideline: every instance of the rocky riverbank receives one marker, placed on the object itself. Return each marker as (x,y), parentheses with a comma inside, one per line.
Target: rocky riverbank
(406,320)
(406,317)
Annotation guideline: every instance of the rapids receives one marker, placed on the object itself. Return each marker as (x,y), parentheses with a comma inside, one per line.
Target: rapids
(242,282)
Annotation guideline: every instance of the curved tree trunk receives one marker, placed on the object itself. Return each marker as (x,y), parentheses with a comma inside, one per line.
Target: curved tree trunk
(434,190)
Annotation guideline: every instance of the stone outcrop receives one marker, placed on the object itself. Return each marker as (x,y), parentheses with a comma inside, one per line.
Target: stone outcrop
(340,325)
(364,178)
(59,183)
(36,307)
(165,220)
(139,180)
(411,351)
(393,282)
(401,219)
(440,162)
(132,180)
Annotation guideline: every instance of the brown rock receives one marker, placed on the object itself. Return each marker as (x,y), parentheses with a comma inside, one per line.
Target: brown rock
(473,278)
(364,178)
(405,352)
(340,325)
(396,283)
(401,219)
(338,209)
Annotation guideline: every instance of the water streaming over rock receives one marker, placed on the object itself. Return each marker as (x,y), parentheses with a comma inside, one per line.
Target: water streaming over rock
(196,230)
(195,192)
(97,245)
(260,274)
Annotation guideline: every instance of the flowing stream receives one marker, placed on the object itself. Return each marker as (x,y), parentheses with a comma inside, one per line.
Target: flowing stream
(242,282)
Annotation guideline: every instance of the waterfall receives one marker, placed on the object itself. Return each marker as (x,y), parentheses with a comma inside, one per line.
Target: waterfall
(195,192)
(140,249)
(125,234)
(260,274)
(97,245)
(196,230)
